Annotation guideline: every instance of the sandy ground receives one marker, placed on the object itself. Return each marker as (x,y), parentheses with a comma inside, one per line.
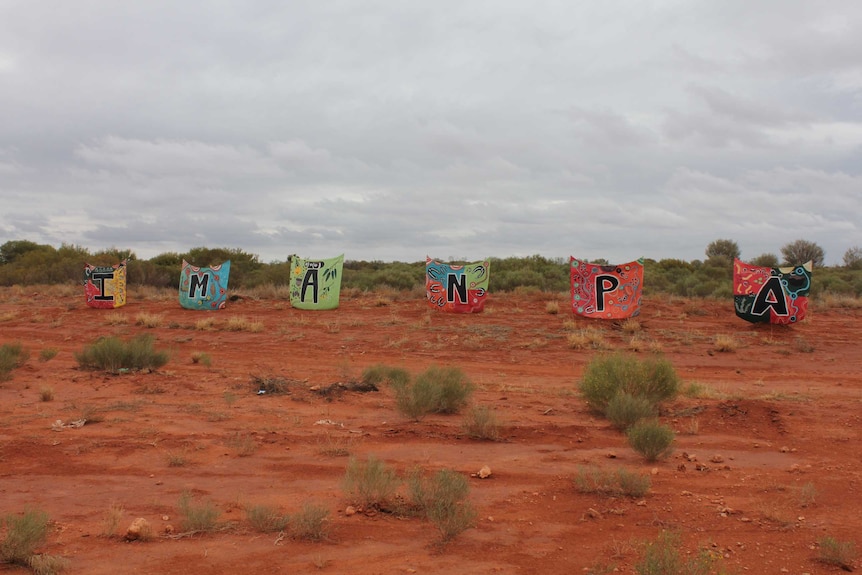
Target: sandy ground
(767,457)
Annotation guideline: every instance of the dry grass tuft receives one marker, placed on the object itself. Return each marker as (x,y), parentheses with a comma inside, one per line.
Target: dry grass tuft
(111,520)
(725,343)
(205,324)
(588,338)
(631,326)
(240,323)
(116,318)
(150,320)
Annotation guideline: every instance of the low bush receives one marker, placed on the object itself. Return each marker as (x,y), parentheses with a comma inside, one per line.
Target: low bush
(47,354)
(197,516)
(112,354)
(436,390)
(662,557)
(266,519)
(619,482)
(837,553)
(624,410)
(24,534)
(310,523)
(379,374)
(481,423)
(12,355)
(370,484)
(651,439)
(442,499)
(653,379)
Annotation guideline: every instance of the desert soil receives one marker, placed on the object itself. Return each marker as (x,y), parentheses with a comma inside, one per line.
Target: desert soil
(767,457)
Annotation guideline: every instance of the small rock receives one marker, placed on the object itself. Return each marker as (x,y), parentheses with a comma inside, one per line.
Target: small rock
(654,471)
(611,455)
(484,473)
(716,459)
(350,510)
(139,530)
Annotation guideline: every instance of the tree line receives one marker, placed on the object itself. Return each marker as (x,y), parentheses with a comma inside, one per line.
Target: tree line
(23,262)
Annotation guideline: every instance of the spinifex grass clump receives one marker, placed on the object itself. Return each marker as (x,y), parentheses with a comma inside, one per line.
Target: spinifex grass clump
(310,523)
(436,390)
(628,390)
(654,380)
(370,484)
(379,374)
(838,553)
(12,355)
(618,482)
(442,499)
(23,535)
(662,557)
(197,516)
(651,439)
(112,354)
(624,410)
(266,519)
(481,423)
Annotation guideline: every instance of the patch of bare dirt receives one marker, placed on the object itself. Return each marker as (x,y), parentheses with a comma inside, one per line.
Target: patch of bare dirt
(767,457)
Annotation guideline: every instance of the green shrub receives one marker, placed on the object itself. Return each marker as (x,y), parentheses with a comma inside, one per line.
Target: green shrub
(624,410)
(310,523)
(662,557)
(379,374)
(441,498)
(197,517)
(416,400)
(23,535)
(48,354)
(436,390)
(653,379)
(370,484)
(651,439)
(111,354)
(266,519)
(838,553)
(619,482)
(481,423)
(12,355)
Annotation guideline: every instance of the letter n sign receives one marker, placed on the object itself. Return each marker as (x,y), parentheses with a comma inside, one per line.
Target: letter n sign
(456,283)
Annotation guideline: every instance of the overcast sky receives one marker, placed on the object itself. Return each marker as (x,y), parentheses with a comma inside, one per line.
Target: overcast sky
(392,130)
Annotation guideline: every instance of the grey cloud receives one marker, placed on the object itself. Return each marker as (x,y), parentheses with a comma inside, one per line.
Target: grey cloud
(390,130)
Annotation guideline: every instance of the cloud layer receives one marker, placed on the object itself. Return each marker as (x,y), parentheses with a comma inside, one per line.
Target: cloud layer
(455,129)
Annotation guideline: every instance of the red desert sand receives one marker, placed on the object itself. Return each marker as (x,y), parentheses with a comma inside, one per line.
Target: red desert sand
(766,461)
